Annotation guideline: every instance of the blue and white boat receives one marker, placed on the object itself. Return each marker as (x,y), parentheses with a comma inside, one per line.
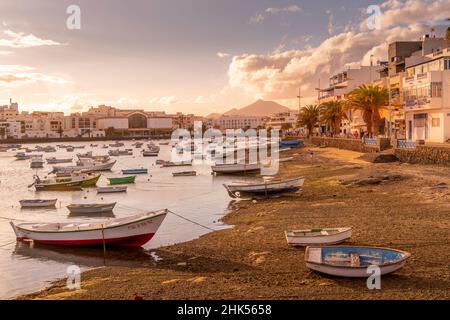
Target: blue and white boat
(353,262)
(291,143)
(266,188)
(135,171)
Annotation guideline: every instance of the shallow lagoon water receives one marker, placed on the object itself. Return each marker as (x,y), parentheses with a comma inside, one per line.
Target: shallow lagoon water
(25,269)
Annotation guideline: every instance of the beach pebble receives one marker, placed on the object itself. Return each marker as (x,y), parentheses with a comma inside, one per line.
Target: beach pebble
(182,264)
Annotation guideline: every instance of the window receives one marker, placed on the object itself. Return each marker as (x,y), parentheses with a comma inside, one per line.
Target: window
(436,122)
(436,89)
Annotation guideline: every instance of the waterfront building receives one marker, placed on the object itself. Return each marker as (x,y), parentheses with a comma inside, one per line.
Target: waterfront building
(340,85)
(282,120)
(225,122)
(427,96)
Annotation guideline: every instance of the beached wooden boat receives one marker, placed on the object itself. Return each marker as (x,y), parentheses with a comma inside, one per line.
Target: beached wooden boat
(237,190)
(70,149)
(92,167)
(164,143)
(122,180)
(236,168)
(117,153)
(349,261)
(112,189)
(54,160)
(38,203)
(133,231)
(184,174)
(84,155)
(135,171)
(326,236)
(63,184)
(89,208)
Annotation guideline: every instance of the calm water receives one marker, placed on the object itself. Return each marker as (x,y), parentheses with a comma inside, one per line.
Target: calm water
(26,269)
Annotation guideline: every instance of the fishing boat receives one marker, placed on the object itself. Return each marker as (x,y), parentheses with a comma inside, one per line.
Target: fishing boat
(291,143)
(323,237)
(236,168)
(66,183)
(79,147)
(70,148)
(22,156)
(237,190)
(91,208)
(164,143)
(122,180)
(152,147)
(135,171)
(112,189)
(176,164)
(184,174)
(133,231)
(349,261)
(93,145)
(86,168)
(38,203)
(54,160)
(117,153)
(36,162)
(105,146)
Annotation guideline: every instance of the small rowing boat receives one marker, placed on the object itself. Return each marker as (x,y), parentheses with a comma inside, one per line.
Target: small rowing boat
(291,143)
(86,167)
(91,208)
(122,180)
(175,164)
(133,231)
(148,153)
(38,203)
(347,261)
(236,168)
(184,174)
(36,162)
(112,189)
(22,156)
(135,171)
(327,236)
(164,143)
(236,190)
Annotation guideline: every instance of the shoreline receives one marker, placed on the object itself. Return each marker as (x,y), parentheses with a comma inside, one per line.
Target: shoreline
(253,261)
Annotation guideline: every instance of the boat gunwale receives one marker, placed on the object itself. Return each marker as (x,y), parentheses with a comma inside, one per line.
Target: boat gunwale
(347,229)
(265,184)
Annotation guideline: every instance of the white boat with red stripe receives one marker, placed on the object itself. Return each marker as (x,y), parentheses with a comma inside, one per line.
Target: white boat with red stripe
(133,231)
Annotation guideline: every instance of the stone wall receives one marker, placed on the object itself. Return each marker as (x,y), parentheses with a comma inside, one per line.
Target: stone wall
(425,155)
(347,144)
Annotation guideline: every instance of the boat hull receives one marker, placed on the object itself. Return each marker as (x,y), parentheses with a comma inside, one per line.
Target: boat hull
(337,261)
(124,180)
(74,209)
(38,204)
(135,171)
(133,234)
(269,188)
(111,189)
(236,169)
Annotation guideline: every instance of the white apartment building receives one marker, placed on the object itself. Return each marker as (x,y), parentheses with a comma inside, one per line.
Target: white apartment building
(341,84)
(238,122)
(277,121)
(427,97)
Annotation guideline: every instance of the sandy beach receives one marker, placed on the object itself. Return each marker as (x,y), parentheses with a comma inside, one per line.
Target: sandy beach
(393,205)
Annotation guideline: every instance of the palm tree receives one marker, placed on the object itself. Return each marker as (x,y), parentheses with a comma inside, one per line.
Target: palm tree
(309,117)
(370,100)
(333,112)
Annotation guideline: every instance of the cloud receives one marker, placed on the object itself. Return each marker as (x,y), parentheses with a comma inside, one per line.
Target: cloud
(330,22)
(223,54)
(20,40)
(257,19)
(278,75)
(16,75)
(291,8)
(127,101)
(164,101)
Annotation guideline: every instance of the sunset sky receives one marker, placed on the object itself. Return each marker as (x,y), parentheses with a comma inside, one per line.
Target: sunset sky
(194,56)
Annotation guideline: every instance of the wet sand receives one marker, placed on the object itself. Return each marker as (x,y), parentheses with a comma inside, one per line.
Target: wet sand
(393,205)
